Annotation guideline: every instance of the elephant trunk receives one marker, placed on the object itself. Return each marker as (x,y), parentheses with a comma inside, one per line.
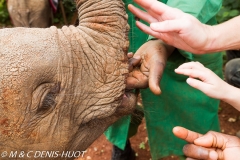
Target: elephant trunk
(103,32)
(106,17)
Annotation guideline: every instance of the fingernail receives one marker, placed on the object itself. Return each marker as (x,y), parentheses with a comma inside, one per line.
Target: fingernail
(137,57)
(188,80)
(158,92)
(176,70)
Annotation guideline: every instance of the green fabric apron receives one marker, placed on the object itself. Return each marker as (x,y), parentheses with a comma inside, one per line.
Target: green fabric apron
(179,104)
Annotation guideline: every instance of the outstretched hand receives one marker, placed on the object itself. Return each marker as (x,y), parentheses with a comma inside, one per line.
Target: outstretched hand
(211,146)
(173,26)
(204,80)
(147,64)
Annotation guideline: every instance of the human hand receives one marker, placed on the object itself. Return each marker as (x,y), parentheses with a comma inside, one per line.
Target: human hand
(204,80)
(147,64)
(173,26)
(211,146)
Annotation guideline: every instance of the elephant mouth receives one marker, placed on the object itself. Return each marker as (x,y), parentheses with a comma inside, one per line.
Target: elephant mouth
(130,99)
(131,92)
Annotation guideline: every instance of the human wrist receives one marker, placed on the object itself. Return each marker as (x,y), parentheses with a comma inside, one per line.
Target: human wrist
(168,48)
(228,94)
(212,44)
(223,36)
(231,96)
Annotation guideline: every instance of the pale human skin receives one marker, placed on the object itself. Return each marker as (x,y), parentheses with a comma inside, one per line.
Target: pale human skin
(213,145)
(209,83)
(184,31)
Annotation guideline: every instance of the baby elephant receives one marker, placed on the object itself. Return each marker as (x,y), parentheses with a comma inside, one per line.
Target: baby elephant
(32,13)
(61,88)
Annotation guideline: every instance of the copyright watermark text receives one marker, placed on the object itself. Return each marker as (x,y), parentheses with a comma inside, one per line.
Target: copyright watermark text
(42,154)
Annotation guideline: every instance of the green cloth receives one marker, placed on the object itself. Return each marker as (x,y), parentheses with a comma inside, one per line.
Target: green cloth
(179,104)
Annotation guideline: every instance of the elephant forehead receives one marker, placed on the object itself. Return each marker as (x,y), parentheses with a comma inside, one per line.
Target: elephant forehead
(27,42)
(28,50)
(28,60)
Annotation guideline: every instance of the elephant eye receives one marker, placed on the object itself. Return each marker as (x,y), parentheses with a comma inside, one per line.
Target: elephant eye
(43,102)
(48,101)
(44,98)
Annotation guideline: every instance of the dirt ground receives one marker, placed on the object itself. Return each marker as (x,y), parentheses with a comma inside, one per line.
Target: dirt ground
(101,149)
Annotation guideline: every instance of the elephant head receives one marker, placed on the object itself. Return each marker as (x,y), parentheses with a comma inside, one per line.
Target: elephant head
(30,13)
(61,88)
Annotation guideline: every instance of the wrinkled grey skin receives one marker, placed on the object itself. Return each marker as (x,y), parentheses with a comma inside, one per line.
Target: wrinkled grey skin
(30,13)
(62,93)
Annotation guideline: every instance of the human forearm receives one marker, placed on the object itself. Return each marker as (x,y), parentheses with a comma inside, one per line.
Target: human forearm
(232,96)
(225,36)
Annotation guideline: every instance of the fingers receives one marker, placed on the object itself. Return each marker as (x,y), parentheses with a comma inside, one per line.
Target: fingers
(136,79)
(210,140)
(157,8)
(129,55)
(222,142)
(185,134)
(198,152)
(192,69)
(194,73)
(217,140)
(167,26)
(153,57)
(133,62)
(190,158)
(147,29)
(197,84)
(209,83)
(201,85)
(195,151)
(191,65)
(141,14)
(155,75)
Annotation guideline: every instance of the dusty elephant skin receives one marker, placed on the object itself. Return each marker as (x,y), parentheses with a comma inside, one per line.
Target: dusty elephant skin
(30,13)
(61,88)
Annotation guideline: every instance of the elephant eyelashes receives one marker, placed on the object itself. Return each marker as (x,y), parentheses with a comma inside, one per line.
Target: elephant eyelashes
(48,93)
(48,101)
